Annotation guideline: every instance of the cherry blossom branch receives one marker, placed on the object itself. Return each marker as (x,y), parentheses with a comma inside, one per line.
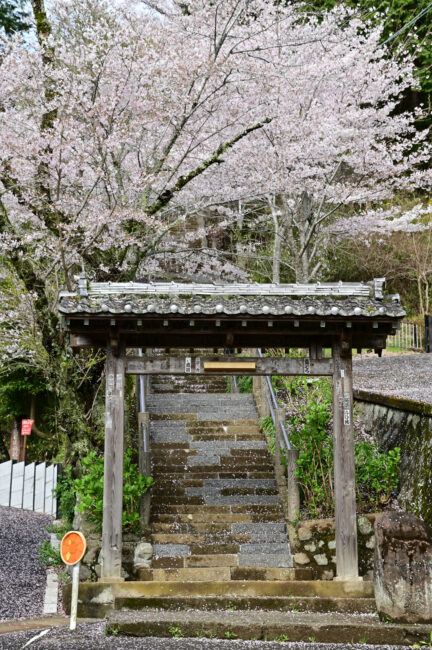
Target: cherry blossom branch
(167,195)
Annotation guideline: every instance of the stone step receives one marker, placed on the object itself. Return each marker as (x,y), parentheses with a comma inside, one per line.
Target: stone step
(214,560)
(165,514)
(197,538)
(211,510)
(215,475)
(196,459)
(231,426)
(334,627)
(233,603)
(209,469)
(190,574)
(256,530)
(246,588)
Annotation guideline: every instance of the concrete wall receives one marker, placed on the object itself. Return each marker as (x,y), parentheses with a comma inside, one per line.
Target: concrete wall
(407,424)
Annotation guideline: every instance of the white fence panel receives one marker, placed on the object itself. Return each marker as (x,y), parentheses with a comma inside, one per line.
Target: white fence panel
(29,487)
(5,482)
(39,498)
(49,486)
(17,485)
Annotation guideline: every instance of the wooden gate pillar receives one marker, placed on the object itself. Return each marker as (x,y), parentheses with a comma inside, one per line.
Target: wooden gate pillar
(344,477)
(113,466)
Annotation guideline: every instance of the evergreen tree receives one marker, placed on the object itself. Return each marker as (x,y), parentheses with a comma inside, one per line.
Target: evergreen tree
(13,16)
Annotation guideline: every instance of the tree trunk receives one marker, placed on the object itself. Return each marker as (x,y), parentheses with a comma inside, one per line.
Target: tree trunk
(277,248)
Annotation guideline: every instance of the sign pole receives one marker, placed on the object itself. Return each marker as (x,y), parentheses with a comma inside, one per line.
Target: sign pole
(74,598)
(72,550)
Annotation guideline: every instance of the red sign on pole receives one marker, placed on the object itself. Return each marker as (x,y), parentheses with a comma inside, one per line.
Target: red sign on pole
(26,427)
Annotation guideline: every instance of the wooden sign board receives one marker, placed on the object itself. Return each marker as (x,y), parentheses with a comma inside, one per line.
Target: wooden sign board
(229,365)
(73,547)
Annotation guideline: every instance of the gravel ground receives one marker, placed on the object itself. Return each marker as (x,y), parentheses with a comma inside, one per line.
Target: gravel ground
(91,636)
(22,577)
(407,376)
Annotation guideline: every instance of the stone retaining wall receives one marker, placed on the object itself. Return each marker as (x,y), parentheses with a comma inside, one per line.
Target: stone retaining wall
(404,423)
(315,546)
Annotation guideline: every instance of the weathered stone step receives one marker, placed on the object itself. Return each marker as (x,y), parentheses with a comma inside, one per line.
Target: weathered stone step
(233,603)
(211,436)
(232,426)
(334,627)
(196,561)
(184,481)
(264,531)
(207,518)
(96,598)
(196,538)
(216,475)
(208,469)
(190,574)
(198,459)
(211,510)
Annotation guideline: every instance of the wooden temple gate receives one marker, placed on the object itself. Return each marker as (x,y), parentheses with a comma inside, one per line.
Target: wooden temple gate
(124,316)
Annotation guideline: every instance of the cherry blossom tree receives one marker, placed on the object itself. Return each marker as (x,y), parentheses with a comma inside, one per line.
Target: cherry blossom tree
(338,144)
(121,127)
(104,123)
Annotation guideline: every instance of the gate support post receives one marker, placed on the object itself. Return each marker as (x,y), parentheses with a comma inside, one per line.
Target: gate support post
(113,467)
(344,477)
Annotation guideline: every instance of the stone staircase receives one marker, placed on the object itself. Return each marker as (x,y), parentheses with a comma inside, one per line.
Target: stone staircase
(220,543)
(216,513)
(222,566)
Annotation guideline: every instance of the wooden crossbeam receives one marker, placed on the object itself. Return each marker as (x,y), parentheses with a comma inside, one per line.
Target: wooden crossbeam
(228,366)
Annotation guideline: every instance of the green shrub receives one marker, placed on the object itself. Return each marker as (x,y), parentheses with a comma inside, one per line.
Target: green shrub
(245,383)
(267,426)
(376,472)
(65,495)
(315,462)
(49,556)
(89,490)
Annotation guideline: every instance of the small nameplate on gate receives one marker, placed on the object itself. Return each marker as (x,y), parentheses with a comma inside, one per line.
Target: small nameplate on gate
(188,364)
(347,416)
(346,401)
(229,365)
(306,366)
(197,364)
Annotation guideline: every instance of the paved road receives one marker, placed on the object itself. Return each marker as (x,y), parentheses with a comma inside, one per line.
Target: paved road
(408,375)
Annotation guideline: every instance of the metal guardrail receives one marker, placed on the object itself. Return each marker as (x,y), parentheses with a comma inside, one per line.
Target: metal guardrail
(273,405)
(142,404)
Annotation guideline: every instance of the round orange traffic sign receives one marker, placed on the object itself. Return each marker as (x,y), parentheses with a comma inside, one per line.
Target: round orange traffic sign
(72,547)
